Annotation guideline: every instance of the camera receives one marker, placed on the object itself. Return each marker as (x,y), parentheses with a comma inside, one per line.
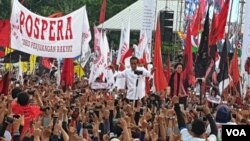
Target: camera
(75,113)
(44,109)
(203,118)
(31,91)
(138,72)
(16,116)
(89,127)
(56,91)
(154,100)
(199,108)
(199,80)
(7,121)
(91,112)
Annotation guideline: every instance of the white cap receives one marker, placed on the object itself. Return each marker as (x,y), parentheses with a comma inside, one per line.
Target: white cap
(7,135)
(115,139)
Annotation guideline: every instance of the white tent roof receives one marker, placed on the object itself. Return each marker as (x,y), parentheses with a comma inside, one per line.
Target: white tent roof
(136,14)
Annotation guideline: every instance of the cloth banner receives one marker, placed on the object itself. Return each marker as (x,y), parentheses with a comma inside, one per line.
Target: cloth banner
(148,23)
(48,37)
(97,86)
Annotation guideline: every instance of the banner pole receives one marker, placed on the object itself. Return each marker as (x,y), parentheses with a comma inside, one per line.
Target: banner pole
(228,36)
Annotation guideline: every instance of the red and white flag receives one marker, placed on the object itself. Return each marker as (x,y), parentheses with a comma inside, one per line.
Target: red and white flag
(124,43)
(86,51)
(101,48)
(105,51)
(143,42)
(105,48)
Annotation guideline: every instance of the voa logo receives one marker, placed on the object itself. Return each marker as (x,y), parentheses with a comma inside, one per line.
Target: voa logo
(236,132)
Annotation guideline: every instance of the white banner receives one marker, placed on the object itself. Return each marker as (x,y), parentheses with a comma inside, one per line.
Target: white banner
(143,43)
(97,86)
(124,43)
(48,37)
(98,66)
(148,22)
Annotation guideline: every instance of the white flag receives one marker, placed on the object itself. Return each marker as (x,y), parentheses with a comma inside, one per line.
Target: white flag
(120,45)
(143,43)
(124,43)
(86,51)
(85,57)
(98,66)
(86,32)
(105,48)
(104,45)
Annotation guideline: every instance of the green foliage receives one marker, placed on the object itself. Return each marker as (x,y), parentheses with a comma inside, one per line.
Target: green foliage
(4,9)
(48,7)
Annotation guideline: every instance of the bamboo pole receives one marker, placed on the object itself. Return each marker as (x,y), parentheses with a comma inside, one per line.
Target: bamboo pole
(227,38)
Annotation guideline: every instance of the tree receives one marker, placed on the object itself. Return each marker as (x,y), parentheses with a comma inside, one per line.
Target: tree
(5,9)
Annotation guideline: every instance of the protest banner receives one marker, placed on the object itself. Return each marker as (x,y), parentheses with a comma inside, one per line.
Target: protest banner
(48,37)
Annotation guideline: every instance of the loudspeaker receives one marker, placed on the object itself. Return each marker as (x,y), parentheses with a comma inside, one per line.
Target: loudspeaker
(166,22)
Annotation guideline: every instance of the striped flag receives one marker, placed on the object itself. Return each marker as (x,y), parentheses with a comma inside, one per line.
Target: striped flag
(124,43)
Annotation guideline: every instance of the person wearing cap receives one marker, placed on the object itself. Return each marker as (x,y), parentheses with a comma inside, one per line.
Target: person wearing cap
(223,117)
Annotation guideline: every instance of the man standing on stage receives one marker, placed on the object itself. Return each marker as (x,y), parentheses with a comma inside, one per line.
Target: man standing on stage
(135,79)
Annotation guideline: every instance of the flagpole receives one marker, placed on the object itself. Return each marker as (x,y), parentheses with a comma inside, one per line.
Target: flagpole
(227,39)
(11,4)
(230,15)
(156,16)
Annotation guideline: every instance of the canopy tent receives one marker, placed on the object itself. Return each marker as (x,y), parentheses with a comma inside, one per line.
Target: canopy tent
(136,14)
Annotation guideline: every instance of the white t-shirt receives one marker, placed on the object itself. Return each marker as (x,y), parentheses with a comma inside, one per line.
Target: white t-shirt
(134,92)
(219,127)
(186,136)
(7,135)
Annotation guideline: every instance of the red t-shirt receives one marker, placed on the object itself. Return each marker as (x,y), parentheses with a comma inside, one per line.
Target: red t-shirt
(30,113)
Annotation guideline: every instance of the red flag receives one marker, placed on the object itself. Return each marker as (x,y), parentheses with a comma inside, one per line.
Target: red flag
(46,63)
(188,59)
(67,76)
(234,69)
(159,78)
(2,54)
(214,26)
(220,23)
(103,11)
(4,33)
(127,54)
(4,84)
(197,26)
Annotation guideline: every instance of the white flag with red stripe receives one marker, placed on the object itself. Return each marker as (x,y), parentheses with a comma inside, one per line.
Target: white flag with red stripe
(124,43)
(143,42)
(98,59)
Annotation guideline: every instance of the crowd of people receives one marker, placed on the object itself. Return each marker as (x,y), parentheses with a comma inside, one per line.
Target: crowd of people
(39,110)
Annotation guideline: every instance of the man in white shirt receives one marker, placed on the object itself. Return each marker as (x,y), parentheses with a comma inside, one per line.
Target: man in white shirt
(198,127)
(223,117)
(135,79)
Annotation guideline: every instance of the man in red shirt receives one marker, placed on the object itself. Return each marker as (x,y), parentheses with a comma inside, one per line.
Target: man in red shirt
(21,106)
